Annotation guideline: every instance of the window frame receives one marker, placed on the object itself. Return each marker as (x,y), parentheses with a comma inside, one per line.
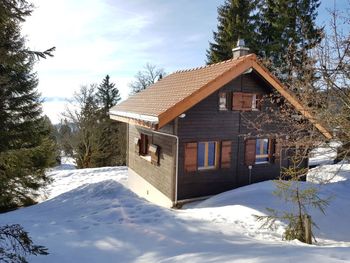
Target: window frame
(223,95)
(261,153)
(206,165)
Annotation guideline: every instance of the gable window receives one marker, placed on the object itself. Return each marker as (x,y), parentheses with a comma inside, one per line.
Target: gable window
(207,155)
(144,144)
(223,102)
(262,151)
(245,101)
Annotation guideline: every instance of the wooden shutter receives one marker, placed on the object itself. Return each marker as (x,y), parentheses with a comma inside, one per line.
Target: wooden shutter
(237,101)
(272,147)
(190,157)
(154,153)
(249,154)
(137,144)
(247,100)
(226,154)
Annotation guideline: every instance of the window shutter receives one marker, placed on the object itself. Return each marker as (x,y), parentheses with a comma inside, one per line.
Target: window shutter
(237,101)
(226,154)
(249,154)
(272,148)
(247,100)
(191,157)
(154,152)
(137,143)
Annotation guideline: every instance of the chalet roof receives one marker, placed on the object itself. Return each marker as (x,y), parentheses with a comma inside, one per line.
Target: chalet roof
(173,95)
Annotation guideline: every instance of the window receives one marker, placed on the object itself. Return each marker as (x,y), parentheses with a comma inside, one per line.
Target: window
(144,144)
(262,151)
(246,101)
(223,101)
(207,155)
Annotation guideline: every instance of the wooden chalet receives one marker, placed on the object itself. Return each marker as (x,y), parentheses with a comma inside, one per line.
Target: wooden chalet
(184,133)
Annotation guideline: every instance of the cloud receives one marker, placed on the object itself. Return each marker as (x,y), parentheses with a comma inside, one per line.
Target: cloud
(116,37)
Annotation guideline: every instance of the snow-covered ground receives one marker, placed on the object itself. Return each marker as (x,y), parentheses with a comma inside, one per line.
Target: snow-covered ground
(90,216)
(324,154)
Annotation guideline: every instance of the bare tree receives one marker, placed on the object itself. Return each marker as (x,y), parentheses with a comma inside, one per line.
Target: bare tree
(82,113)
(146,77)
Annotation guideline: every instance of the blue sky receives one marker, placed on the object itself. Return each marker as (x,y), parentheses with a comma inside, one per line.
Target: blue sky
(98,37)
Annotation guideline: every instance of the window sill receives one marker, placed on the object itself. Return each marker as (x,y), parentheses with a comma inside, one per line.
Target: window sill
(206,168)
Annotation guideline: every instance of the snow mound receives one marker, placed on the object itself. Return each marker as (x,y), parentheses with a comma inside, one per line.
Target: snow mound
(91,216)
(329,173)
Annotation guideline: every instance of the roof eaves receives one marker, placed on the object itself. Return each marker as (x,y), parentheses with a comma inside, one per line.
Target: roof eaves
(131,115)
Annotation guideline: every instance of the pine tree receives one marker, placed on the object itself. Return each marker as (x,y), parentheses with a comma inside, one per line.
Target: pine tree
(65,135)
(110,136)
(107,95)
(25,143)
(236,19)
(288,33)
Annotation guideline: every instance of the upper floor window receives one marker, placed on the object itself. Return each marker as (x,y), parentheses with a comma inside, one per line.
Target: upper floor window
(223,105)
(245,101)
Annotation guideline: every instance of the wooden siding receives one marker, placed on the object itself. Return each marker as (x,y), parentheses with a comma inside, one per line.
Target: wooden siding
(204,122)
(162,176)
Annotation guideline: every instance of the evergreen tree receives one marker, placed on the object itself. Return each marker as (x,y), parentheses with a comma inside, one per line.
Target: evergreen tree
(236,19)
(288,33)
(65,136)
(110,136)
(107,95)
(25,143)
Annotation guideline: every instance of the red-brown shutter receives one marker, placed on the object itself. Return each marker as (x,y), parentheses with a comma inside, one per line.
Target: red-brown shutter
(237,101)
(226,154)
(191,157)
(249,154)
(272,144)
(247,100)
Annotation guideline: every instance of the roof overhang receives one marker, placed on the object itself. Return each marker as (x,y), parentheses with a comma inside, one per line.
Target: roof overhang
(147,121)
(244,66)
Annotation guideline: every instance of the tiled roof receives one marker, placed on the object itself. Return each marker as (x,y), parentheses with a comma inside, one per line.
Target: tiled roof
(174,88)
(168,98)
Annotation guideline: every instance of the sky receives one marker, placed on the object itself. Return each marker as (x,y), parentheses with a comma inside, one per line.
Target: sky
(94,38)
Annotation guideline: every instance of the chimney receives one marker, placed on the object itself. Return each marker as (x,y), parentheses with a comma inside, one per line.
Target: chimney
(240,50)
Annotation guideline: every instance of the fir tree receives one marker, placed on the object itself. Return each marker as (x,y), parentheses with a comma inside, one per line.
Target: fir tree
(288,33)
(107,95)
(110,136)
(25,143)
(65,135)
(236,19)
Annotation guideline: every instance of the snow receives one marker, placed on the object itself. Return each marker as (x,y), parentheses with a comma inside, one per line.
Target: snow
(90,215)
(324,154)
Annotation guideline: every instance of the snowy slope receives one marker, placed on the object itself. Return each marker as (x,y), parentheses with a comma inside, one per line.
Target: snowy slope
(91,216)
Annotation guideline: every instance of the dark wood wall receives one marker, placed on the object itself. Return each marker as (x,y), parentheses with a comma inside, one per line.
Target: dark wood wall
(162,176)
(204,122)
